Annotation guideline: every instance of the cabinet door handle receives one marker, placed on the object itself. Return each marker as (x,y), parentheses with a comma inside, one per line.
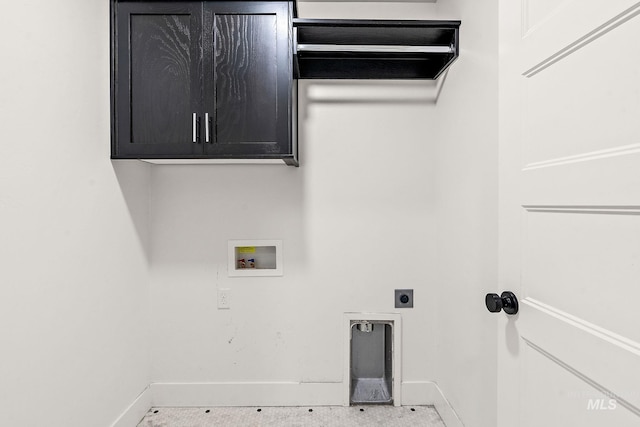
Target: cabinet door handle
(195,124)
(206,127)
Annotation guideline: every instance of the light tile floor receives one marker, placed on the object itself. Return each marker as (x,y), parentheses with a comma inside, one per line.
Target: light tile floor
(314,416)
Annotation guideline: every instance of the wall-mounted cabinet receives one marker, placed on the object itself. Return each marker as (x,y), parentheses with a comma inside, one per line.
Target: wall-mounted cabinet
(202,81)
(216,81)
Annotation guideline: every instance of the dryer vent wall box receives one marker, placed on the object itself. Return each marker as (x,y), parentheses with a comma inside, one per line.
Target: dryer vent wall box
(371,379)
(255,258)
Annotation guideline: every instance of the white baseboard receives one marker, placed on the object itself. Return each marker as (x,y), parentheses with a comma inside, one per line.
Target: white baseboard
(442,405)
(134,413)
(247,394)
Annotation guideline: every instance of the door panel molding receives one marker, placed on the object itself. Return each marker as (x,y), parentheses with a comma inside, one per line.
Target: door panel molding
(585,106)
(550,50)
(585,157)
(554,39)
(581,376)
(596,355)
(583,264)
(588,327)
(610,180)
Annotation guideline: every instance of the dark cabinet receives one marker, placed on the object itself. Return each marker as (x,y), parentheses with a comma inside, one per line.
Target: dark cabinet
(203,80)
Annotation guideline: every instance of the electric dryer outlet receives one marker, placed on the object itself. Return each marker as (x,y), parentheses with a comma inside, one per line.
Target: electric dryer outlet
(404,298)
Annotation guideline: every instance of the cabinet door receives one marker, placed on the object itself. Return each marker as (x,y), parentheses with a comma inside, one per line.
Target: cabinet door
(158,79)
(247,79)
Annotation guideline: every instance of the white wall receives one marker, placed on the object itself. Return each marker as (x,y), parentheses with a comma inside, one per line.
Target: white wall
(393,192)
(366,9)
(73,266)
(356,220)
(466,200)
(356,223)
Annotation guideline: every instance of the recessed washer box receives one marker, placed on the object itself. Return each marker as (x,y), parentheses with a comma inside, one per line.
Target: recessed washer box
(251,258)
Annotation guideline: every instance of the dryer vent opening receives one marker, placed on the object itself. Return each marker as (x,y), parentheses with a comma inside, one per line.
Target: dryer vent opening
(371,364)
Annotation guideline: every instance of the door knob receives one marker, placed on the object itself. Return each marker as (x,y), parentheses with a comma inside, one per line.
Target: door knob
(507,301)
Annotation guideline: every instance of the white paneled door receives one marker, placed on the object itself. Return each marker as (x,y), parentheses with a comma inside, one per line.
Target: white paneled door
(570,213)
